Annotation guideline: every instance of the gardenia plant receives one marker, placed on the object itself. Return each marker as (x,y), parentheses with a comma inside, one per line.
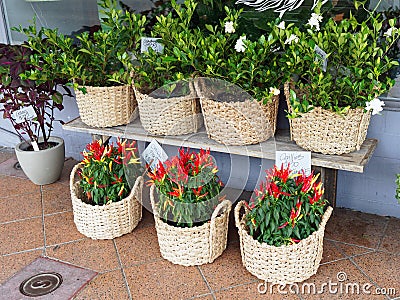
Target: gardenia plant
(214,52)
(104,171)
(97,58)
(287,208)
(188,188)
(176,62)
(253,65)
(339,64)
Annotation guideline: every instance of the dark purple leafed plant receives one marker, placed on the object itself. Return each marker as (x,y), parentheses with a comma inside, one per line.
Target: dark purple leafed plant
(17,92)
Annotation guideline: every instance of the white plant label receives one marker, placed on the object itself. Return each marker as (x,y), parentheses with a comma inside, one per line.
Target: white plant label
(321,56)
(298,160)
(35,146)
(153,154)
(153,43)
(23,114)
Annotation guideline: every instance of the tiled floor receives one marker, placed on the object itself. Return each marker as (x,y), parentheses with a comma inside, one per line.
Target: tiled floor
(38,221)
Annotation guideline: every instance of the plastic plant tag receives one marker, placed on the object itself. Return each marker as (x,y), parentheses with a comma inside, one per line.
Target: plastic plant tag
(153,43)
(153,154)
(35,146)
(321,56)
(298,160)
(23,114)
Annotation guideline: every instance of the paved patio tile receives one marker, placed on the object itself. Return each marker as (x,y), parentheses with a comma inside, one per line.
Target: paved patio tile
(96,255)
(164,280)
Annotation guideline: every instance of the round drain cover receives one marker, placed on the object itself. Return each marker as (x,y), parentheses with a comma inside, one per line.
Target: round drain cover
(40,284)
(17,166)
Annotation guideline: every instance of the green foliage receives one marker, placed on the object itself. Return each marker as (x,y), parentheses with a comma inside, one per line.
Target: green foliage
(286,209)
(356,61)
(188,188)
(181,45)
(209,51)
(97,59)
(255,67)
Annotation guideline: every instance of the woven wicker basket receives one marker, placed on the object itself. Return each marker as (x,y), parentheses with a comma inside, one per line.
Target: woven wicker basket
(195,245)
(170,116)
(106,221)
(107,106)
(284,264)
(324,131)
(238,122)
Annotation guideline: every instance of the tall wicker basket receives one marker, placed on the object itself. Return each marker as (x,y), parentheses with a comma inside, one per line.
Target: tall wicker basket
(284,264)
(107,106)
(324,131)
(195,245)
(237,122)
(106,221)
(170,116)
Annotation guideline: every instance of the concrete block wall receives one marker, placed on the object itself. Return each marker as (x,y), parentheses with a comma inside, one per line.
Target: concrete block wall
(373,191)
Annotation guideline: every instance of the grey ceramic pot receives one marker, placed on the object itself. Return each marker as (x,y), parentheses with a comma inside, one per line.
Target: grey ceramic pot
(44,166)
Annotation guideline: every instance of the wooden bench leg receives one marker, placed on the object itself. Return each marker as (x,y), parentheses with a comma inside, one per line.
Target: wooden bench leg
(329,179)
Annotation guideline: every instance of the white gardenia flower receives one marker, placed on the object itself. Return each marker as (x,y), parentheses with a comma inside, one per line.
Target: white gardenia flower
(240,46)
(375,105)
(314,21)
(229,27)
(274,91)
(389,32)
(292,38)
(281,25)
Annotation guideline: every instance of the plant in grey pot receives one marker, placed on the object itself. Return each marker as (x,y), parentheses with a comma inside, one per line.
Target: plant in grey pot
(29,99)
(397,195)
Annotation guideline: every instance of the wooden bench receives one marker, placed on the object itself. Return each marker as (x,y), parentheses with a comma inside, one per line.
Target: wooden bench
(326,165)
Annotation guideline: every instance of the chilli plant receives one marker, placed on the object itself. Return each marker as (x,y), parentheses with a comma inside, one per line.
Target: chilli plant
(188,188)
(105,171)
(287,208)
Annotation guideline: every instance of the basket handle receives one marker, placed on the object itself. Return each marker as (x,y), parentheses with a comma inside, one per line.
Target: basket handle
(137,188)
(239,220)
(225,206)
(326,217)
(72,175)
(153,204)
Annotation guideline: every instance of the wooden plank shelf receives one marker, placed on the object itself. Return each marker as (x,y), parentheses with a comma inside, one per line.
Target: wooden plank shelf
(326,165)
(353,162)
